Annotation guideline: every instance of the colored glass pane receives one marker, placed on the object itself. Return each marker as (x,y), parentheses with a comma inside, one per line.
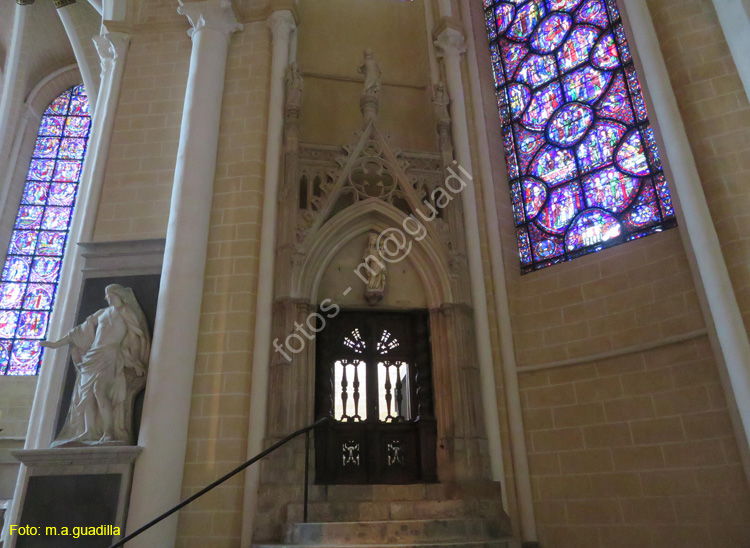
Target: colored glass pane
(564,203)
(63,194)
(562,5)
(551,32)
(537,70)
(605,53)
(11,295)
(35,193)
(554,166)
(519,98)
(630,156)
(542,106)
(575,50)
(526,20)
(592,228)
(517,198)
(534,196)
(529,143)
(569,124)
(32,266)
(23,242)
(598,149)
(524,247)
(583,160)
(41,170)
(585,85)
(594,12)
(16,269)
(8,322)
(52,125)
(512,55)
(25,358)
(51,243)
(504,16)
(39,296)
(616,104)
(610,189)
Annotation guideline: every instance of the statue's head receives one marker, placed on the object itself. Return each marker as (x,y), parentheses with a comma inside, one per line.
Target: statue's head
(116,294)
(368,53)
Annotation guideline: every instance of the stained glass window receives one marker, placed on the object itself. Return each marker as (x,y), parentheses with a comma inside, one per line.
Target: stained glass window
(32,266)
(584,167)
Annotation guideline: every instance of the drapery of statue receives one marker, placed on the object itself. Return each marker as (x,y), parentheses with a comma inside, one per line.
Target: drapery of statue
(110,351)
(369,100)
(378,274)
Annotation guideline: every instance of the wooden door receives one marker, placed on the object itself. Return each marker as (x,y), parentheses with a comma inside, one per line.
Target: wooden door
(373,383)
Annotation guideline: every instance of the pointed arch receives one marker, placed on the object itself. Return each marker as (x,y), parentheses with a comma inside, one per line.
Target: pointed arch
(428,256)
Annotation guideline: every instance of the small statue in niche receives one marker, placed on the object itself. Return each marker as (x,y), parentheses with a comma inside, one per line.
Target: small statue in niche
(371,70)
(294,87)
(110,352)
(375,288)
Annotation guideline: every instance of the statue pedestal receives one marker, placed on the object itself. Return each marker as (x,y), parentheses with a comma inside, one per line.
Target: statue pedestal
(77,487)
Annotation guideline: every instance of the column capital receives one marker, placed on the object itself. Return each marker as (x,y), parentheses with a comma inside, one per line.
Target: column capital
(211,14)
(281,23)
(449,40)
(111,46)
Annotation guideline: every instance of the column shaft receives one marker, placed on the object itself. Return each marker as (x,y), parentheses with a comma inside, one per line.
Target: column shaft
(519,455)
(166,410)
(450,44)
(281,24)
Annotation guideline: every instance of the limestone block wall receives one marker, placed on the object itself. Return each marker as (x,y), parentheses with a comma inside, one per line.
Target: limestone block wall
(217,435)
(140,169)
(635,450)
(16,397)
(716,113)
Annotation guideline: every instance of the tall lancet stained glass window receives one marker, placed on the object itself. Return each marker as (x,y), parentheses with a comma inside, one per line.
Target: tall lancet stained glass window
(584,167)
(32,266)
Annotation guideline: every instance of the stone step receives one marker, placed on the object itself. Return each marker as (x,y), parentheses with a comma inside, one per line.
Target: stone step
(391,532)
(385,510)
(469,544)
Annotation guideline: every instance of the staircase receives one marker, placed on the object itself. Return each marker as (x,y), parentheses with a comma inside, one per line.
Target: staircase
(424,516)
(426,533)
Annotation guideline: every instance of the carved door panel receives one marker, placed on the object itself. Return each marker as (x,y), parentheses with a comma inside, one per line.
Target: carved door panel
(373,383)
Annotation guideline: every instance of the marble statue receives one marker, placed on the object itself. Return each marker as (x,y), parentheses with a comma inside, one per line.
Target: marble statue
(110,352)
(378,273)
(371,70)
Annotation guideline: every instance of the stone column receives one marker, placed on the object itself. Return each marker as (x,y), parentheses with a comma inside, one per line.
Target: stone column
(282,24)
(519,455)
(166,410)
(83,66)
(450,45)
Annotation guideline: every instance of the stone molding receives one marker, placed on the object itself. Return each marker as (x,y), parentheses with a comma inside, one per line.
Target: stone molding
(216,15)
(282,24)
(111,46)
(123,258)
(34,458)
(450,42)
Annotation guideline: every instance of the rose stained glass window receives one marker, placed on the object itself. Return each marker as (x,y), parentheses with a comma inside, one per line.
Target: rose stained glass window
(584,167)
(32,266)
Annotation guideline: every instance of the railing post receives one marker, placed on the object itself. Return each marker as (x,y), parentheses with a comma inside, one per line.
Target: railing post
(307,471)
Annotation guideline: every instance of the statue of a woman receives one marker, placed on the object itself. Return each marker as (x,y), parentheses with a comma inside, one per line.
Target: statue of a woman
(110,352)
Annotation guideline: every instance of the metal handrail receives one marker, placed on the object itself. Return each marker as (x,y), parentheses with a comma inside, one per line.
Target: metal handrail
(306,430)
